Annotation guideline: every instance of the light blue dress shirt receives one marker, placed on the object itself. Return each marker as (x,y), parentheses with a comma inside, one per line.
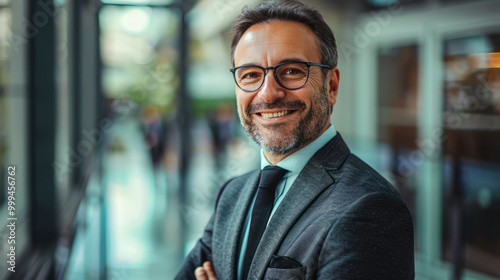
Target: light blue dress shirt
(294,163)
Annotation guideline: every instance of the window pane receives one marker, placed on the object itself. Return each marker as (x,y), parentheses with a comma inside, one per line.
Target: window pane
(139,51)
(471,151)
(64,118)
(145,2)
(139,54)
(5,19)
(391,4)
(14,124)
(397,118)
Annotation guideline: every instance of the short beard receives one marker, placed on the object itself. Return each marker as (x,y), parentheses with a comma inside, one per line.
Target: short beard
(306,130)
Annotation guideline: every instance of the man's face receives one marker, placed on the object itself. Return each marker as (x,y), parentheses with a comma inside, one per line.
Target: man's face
(282,120)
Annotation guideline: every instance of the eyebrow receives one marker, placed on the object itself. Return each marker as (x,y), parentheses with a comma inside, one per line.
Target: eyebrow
(291,59)
(288,59)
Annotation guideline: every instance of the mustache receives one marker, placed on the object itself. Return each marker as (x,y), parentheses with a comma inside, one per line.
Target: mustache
(278,104)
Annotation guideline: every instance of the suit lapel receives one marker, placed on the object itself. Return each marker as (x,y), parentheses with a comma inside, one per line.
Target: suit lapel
(235,224)
(310,183)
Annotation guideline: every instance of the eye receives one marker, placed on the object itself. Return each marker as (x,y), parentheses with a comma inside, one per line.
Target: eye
(293,71)
(250,75)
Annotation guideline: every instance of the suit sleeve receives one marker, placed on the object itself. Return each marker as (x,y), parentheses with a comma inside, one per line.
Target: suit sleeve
(373,239)
(202,250)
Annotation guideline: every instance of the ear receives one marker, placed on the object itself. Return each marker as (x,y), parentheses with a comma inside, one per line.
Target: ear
(333,85)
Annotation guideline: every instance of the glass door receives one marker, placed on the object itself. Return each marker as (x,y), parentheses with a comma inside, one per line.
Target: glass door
(471,201)
(398,119)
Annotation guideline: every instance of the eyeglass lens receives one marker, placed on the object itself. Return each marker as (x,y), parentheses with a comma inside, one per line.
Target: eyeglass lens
(290,76)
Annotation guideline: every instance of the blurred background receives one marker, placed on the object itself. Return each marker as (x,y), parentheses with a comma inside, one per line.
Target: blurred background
(119,118)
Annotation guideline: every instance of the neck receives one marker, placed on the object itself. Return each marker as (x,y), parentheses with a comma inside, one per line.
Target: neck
(275,158)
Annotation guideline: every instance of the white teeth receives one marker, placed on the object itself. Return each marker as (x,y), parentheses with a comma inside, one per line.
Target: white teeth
(275,115)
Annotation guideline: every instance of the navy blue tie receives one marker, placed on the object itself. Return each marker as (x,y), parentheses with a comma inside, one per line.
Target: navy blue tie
(270,176)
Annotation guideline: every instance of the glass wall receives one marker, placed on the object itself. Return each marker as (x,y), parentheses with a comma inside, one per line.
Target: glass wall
(13,129)
(437,126)
(398,91)
(140,52)
(64,117)
(471,153)
(5,35)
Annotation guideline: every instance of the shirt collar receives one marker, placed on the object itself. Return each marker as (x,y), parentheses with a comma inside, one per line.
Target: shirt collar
(296,161)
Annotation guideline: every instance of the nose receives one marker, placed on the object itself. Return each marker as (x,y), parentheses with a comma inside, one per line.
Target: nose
(271,90)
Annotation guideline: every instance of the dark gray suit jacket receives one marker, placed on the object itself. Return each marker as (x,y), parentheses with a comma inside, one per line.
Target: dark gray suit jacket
(339,220)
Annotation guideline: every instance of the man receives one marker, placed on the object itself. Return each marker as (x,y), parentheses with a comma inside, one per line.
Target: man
(332,216)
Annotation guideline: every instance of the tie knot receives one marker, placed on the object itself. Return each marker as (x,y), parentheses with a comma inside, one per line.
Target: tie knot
(270,176)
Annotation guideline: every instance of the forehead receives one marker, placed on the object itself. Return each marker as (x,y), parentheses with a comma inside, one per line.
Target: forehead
(267,44)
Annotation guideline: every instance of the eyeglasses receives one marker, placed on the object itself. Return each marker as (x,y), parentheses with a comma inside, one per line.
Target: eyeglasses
(290,75)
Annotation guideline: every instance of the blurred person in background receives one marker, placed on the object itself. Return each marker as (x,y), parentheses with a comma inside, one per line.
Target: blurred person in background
(221,128)
(152,127)
(325,214)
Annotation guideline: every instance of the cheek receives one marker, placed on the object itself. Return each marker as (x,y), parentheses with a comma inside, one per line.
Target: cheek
(315,82)
(242,101)
(304,95)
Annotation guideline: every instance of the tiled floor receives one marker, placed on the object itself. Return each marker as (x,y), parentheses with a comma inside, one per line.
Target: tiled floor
(135,196)
(142,211)
(135,203)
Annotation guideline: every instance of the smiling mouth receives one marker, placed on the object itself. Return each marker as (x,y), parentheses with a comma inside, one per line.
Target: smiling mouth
(275,115)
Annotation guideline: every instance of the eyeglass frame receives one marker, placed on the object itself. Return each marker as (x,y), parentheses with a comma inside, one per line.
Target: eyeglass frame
(264,69)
